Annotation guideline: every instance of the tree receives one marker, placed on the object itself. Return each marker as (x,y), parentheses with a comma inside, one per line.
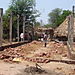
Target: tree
(37,24)
(47,25)
(54,16)
(57,16)
(64,14)
(22,7)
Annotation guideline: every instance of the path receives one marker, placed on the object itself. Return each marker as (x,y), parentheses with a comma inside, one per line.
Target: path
(53,68)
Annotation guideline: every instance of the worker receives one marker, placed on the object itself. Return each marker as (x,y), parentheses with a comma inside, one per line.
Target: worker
(21,36)
(45,39)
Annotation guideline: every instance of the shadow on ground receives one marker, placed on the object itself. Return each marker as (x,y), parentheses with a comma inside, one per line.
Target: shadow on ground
(37,71)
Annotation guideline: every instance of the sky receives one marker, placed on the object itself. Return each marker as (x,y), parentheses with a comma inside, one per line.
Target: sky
(45,6)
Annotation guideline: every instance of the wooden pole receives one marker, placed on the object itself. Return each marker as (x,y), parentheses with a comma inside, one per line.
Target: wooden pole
(23,26)
(18,27)
(70,31)
(72,28)
(33,31)
(1,26)
(73,10)
(11,28)
(70,35)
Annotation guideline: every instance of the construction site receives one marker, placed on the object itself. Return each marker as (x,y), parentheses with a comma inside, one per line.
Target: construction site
(31,54)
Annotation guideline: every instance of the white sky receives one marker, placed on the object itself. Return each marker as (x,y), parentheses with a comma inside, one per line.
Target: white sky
(44,6)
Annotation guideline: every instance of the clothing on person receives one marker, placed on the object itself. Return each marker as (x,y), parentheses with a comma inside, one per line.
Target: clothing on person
(45,40)
(21,36)
(45,37)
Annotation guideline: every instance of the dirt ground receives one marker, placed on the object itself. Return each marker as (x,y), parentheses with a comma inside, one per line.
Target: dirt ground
(47,69)
(22,60)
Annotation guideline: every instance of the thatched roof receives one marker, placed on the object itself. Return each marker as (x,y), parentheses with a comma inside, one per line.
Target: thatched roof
(43,29)
(62,30)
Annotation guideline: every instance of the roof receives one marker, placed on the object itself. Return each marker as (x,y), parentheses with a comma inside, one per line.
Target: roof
(62,30)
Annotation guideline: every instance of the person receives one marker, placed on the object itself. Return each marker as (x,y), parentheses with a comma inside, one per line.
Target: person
(45,39)
(30,36)
(21,36)
(42,35)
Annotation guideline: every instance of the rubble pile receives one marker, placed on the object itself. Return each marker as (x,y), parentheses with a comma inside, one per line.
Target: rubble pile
(43,54)
(54,50)
(37,60)
(10,53)
(28,52)
(59,49)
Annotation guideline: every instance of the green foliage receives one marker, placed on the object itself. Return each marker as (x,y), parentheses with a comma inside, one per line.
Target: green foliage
(24,7)
(54,16)
(57,16)
(5,26)
(37,24)
(47,25)
(64,14)
(21,7)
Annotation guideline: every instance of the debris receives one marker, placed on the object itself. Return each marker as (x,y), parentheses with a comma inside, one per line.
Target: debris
(21,52)
(33,70)
(17,60)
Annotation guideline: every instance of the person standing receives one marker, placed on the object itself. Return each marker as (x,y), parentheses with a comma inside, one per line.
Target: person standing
(45,39)
(21,36)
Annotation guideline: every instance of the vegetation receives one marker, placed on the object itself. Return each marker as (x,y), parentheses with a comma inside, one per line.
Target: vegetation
(27,8)
(47,25)
(22,8)
(37,24)
(57,16)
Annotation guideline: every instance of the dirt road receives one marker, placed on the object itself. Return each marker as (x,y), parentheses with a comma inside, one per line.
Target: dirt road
(49,69)
(9,68)
(34,50)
